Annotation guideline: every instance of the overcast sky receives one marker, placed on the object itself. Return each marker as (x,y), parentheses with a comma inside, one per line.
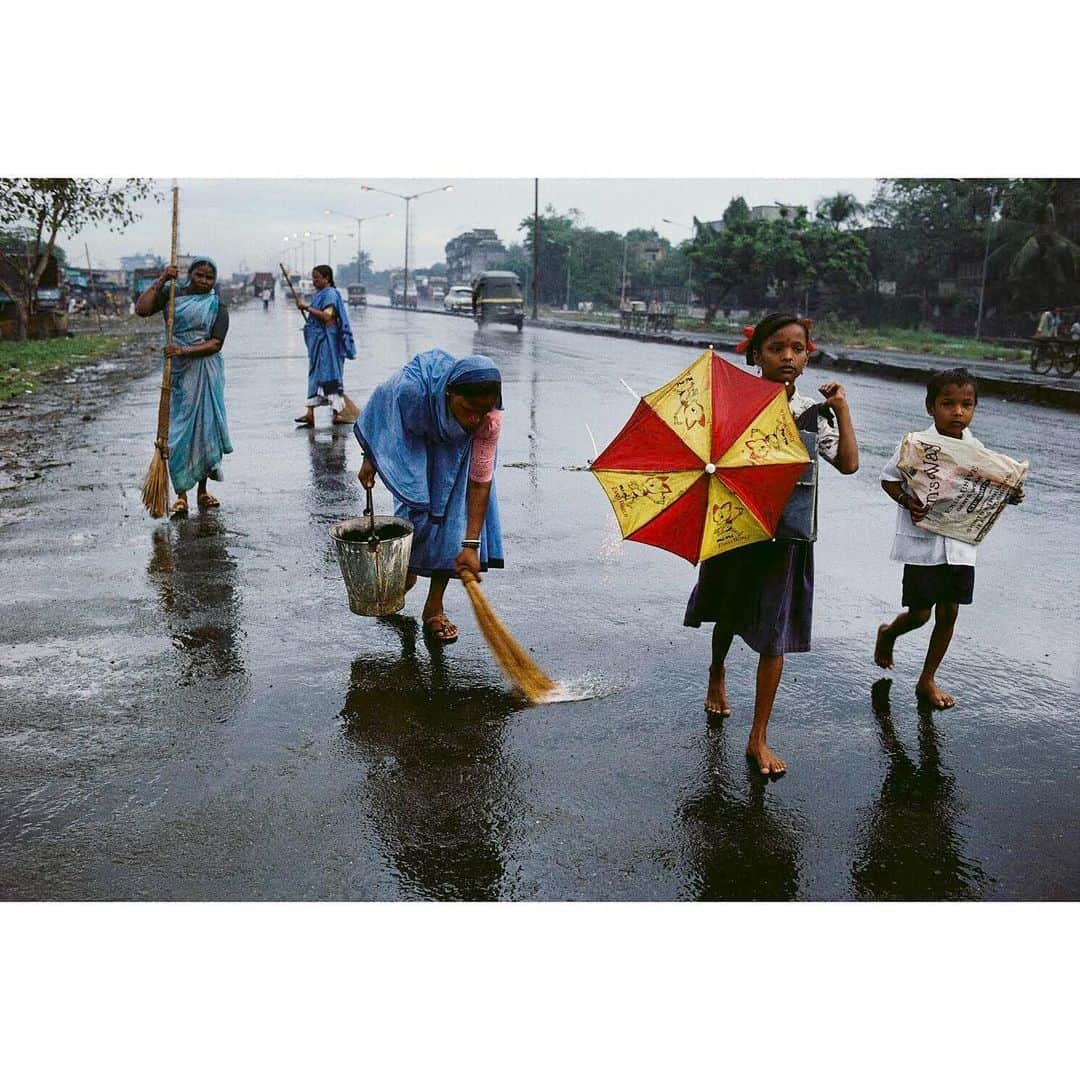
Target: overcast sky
(244,221)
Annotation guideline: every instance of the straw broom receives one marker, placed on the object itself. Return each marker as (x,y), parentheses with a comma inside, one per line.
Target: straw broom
(351,412)
(512,658)
(155,489)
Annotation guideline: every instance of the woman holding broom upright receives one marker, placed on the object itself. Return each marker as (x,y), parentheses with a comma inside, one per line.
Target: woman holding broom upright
(430,432)
(198,427)
(329,339)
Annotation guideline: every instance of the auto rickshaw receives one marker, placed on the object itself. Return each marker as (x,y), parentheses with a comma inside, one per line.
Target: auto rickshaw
(357,295)
(496,297)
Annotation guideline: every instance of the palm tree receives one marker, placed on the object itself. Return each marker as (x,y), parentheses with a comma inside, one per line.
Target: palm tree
(839,209)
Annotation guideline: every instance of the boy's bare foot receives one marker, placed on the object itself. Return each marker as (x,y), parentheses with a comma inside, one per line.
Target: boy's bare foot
(767,762)
(927,690)
(883,647)
(716,699)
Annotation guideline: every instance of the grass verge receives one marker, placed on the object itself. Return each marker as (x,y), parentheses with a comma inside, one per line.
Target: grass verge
(23,363)
(836,333)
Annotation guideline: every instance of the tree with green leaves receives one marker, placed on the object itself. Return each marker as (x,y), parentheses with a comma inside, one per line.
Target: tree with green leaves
(41,209)
(841,210)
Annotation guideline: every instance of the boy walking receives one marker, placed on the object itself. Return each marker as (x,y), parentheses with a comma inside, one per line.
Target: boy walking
(939,572)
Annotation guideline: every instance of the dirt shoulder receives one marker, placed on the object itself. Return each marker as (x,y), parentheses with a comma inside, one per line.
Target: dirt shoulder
(73,379)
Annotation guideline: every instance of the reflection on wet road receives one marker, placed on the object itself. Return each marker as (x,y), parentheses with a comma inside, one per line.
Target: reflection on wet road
(439,786)
(190,711)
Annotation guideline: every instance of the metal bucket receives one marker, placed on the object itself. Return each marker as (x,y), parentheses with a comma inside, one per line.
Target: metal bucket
(374,573)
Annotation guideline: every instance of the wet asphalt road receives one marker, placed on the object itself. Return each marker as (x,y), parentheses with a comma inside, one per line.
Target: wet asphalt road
(190,711)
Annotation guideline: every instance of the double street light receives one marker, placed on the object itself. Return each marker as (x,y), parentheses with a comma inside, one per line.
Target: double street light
(407,200)
(359,226)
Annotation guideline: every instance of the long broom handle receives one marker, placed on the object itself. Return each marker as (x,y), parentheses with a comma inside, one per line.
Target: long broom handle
(288,281)
(170,318)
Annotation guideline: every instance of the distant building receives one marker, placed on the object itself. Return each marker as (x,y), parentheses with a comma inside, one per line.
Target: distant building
(768,212)
(147,261)
(471,253)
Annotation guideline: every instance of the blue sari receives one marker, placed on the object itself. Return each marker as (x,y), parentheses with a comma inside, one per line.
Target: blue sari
(422,455)
(198,428)
(328,344)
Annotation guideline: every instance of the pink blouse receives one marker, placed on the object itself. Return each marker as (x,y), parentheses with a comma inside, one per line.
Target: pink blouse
(485,441)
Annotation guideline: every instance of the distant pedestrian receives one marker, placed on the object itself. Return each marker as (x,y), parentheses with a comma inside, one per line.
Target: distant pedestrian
(764,592)
(1049,322)
(266,294)
(939,572)
(1074,330)
(198,427)
(329,339)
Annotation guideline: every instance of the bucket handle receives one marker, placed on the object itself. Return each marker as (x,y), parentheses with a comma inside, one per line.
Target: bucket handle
(369,509)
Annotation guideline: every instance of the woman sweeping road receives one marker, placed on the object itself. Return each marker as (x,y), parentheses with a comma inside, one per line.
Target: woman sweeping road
(430,432)
(198,426)
(329,339)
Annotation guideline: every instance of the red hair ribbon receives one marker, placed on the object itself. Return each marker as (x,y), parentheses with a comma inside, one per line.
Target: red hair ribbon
(748,333)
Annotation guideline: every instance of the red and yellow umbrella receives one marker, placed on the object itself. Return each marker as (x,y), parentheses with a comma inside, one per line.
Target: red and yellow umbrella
(706,463)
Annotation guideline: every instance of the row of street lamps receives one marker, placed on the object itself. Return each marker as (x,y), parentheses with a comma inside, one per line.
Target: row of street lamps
(407,199)
(303,238)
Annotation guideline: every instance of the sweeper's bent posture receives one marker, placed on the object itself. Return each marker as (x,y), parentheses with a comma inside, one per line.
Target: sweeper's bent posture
(198,426)
(329,340)
(430,432)
(764,592)
(939,572)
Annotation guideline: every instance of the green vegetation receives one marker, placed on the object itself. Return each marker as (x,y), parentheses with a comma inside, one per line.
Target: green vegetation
(22,364)
(833,333)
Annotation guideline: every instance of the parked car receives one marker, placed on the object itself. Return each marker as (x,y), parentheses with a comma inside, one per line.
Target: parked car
(458,299)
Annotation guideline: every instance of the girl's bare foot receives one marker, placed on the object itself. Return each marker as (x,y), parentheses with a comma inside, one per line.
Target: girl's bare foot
(883,647)
(716,699)
(765,759)
(927,690)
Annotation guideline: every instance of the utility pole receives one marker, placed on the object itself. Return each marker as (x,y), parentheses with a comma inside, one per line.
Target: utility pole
(986,262)
(569,249)
(536,243)
(622,290)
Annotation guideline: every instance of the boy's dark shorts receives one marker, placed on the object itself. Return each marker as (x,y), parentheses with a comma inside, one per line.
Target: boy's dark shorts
(925,586)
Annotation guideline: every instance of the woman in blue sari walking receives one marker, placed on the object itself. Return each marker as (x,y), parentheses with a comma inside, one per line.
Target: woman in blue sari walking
(431,433)
(329,339)
(198,427)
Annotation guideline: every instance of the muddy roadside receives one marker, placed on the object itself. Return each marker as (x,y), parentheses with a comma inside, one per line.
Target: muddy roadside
(41,430)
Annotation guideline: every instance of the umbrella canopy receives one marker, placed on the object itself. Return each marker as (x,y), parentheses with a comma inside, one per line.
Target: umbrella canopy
(706,463)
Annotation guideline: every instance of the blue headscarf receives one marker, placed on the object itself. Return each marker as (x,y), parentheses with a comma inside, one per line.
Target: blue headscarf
(200,260)
(407,427)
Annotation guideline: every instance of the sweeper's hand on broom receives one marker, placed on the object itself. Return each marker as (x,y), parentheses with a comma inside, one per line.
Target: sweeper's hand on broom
(467,564)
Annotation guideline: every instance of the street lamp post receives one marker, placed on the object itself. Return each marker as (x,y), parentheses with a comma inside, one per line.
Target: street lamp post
(986,262)
(359,227)
(407,200)
(689,264)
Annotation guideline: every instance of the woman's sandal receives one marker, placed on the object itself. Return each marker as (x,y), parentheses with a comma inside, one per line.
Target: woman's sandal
(439,628)
(341,420)
(179,508)
(208,500)
(303,421)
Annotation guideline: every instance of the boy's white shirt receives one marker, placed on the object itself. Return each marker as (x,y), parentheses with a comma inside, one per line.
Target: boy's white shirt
(916,546)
